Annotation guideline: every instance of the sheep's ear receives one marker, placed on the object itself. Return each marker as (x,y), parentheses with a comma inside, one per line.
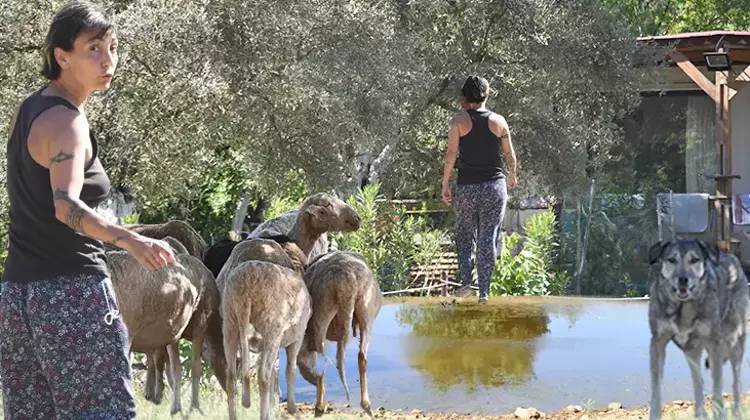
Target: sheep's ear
(318,212)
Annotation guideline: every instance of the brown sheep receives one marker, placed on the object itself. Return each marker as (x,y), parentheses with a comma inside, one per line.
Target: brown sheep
(274,301)
(287,255)
(319,213)
(344,293)
(206,319)
(157,306)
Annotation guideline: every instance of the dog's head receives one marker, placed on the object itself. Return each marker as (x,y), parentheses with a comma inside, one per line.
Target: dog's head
(683,265)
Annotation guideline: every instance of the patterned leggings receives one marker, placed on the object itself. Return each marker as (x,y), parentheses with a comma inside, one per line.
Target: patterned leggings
(480,210)
(59,358)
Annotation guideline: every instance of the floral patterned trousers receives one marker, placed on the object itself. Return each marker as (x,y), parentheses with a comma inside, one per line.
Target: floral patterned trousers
(63,351)
(480,210)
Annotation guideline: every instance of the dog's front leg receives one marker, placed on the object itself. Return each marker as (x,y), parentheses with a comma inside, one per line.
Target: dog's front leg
(693,357)
(658,356)
(716,362)
(736,358)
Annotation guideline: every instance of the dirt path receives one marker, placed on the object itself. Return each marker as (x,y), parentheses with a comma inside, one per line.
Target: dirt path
(673,410)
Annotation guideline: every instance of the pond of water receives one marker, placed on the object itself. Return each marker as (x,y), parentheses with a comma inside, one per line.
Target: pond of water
(489,359)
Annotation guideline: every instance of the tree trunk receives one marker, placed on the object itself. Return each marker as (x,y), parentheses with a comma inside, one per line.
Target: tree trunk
(241,212)
(583,246)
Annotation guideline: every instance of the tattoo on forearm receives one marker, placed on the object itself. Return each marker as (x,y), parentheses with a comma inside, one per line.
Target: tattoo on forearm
(76,212)
(116,240)
(60,157)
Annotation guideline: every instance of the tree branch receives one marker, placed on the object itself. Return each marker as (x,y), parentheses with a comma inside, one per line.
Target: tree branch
(145,66)
(10,49)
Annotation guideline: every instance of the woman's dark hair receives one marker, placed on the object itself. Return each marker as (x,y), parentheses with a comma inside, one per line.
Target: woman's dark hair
(475,89)
(68,23)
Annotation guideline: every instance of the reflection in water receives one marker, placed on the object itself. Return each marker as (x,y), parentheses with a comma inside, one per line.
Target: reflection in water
(477,346)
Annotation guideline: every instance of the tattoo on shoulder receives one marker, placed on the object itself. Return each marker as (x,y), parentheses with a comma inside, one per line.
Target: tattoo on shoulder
(76,213)
(60,157)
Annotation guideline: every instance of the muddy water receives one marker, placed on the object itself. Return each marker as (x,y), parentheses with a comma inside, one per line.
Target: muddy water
(541,352)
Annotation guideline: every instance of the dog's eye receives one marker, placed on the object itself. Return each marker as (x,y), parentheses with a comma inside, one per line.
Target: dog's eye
(672,260)
(695,260)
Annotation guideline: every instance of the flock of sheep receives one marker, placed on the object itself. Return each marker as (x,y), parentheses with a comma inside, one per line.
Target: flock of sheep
(246,300)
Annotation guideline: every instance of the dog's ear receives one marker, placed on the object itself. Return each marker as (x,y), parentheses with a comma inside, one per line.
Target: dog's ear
(710,251)
(654,253)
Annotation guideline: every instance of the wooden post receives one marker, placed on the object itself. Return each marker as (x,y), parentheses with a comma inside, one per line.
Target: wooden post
(722,91)
(724,178)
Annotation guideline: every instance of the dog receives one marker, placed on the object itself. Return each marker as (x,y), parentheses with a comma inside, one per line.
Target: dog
(699,301)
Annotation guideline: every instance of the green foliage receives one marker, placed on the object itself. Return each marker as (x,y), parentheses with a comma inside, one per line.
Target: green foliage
(621,225)
(529,272)
(218,76)
(290,197)
(661,17)
(210,206)
(390,240)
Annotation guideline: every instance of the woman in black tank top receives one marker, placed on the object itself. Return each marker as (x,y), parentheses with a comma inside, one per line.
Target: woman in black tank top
(476,138)
(63,349)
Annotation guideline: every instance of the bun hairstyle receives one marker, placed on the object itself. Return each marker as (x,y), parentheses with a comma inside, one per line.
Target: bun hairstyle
(476,89)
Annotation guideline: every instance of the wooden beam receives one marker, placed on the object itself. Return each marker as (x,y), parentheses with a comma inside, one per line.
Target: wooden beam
(739,56)
(743,76)
(695,75)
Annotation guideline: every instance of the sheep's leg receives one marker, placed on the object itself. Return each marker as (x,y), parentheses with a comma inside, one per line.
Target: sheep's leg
(320,396)
(150,387)
(292,351)
(174,361)
(246,399)
(364,342)
(231,343)
(363,320)
(196,368)
(246,366)
(160,362)
(265,378)
(345,317)
(320,322)
(276,386)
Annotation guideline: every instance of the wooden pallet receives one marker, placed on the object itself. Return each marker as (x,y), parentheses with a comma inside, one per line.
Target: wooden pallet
(440,273)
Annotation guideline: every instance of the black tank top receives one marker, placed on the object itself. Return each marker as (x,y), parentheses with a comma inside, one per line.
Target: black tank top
(479,151)
(40,246)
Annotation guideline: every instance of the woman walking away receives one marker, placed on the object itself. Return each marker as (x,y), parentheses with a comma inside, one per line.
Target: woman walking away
(63,349)
(475,137)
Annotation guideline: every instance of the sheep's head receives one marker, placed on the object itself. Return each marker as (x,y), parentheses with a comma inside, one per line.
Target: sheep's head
(177,247)
(306,363)
(328,213)
(213,350)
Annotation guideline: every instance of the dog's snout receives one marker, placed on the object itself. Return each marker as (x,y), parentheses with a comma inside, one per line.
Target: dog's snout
(682,282)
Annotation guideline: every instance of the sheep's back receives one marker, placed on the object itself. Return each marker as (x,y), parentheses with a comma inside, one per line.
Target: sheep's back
(156,306)
(277,296)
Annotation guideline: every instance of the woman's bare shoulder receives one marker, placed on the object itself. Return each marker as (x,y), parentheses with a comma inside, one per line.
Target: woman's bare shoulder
(60,120)
(461,118)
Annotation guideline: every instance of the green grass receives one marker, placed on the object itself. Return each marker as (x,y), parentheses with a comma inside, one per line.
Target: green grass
(213,404)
